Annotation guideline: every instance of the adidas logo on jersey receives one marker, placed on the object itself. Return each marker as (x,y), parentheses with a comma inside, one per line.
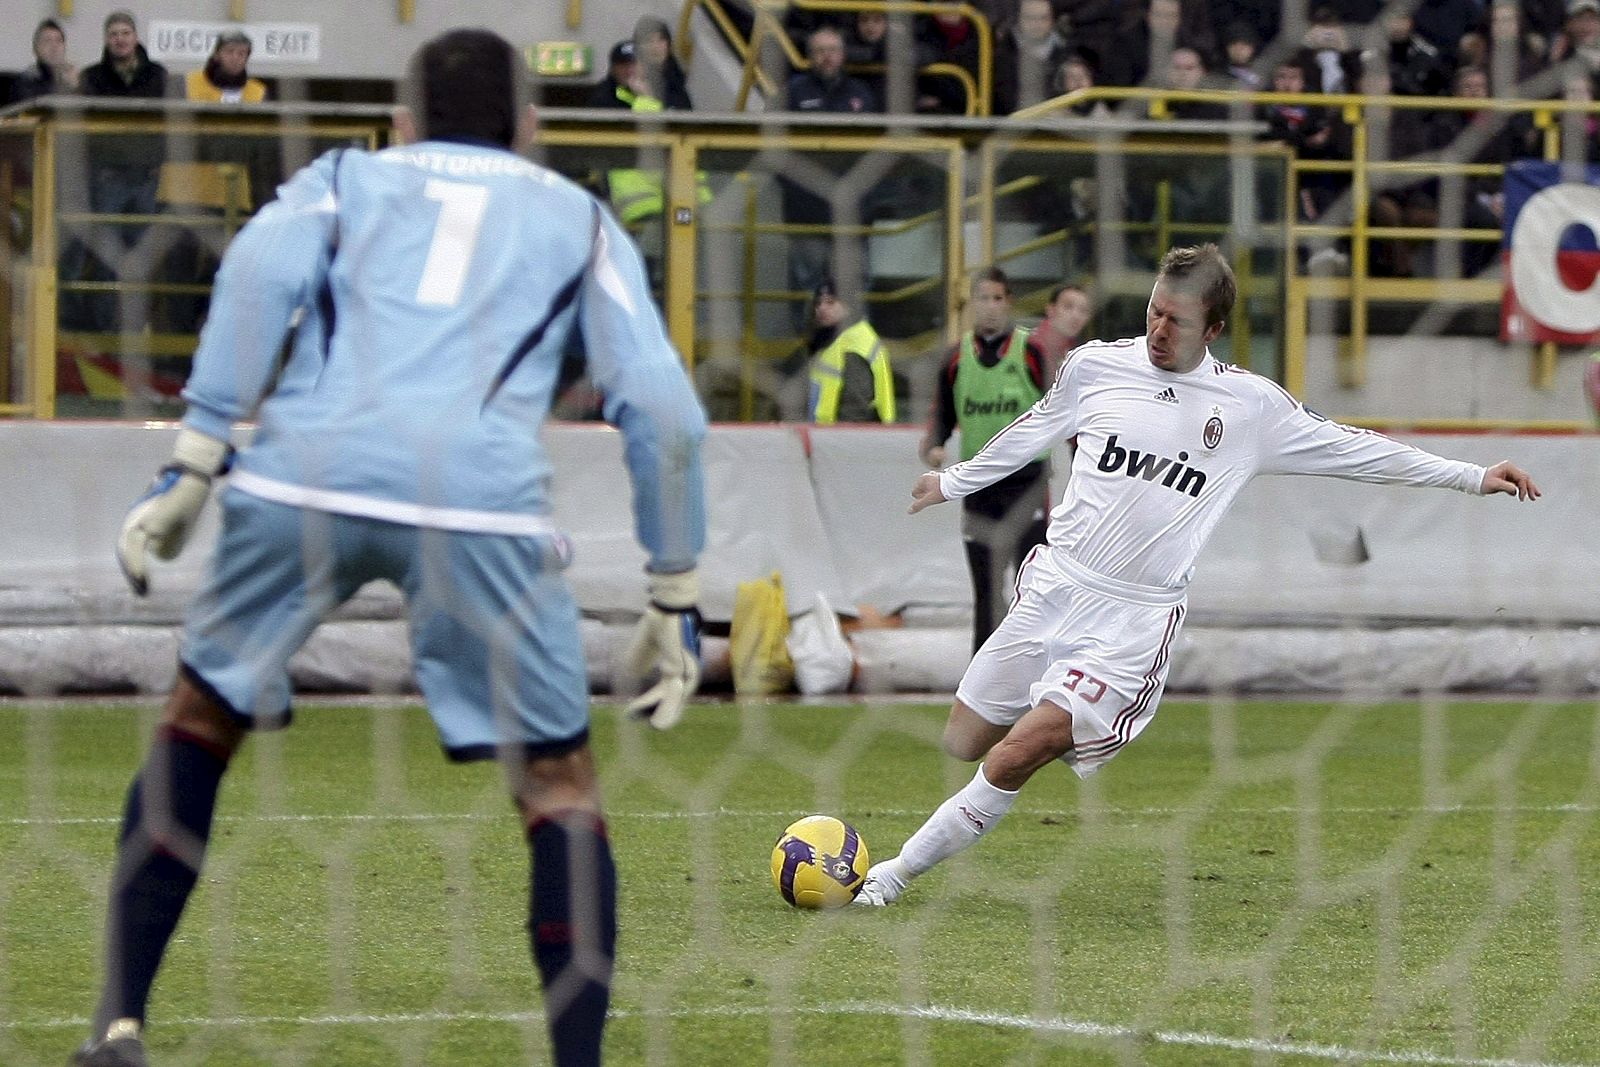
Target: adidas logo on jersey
(1172,473)
(1167,396)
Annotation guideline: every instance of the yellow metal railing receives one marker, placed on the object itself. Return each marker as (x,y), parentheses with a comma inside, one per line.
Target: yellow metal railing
(769,27)
(1359,289)
(977,165)
(684,42)
(682,151)
(78,124)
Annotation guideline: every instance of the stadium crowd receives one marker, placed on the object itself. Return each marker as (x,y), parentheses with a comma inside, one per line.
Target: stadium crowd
(1527,48)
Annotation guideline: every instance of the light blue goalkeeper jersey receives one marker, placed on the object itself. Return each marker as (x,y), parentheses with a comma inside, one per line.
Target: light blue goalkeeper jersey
(428,294)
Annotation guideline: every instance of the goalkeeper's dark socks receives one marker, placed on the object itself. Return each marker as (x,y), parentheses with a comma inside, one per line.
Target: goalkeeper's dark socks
(165,827)
(572,923)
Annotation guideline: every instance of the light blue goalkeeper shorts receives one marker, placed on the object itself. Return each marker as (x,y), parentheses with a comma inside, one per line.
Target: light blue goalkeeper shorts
(494,628)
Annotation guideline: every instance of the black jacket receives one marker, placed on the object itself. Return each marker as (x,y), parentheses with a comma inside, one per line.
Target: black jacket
(34,82)
(149,78)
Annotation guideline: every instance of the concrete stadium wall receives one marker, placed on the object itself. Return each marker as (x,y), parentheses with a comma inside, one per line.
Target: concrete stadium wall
(1427,377)
(1454,592)
(826,507)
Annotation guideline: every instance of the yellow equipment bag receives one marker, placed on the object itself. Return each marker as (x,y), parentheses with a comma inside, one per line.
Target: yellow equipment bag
(757,642)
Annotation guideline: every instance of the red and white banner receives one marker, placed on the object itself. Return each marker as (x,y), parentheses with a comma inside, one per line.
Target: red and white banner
(1551,254)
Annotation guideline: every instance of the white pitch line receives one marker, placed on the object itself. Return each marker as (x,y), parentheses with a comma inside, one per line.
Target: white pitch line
(933,1013)
(1192,1039)
(735,813)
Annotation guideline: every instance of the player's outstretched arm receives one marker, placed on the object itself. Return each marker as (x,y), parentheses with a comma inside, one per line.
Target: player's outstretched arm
(926,492)
(1507,477)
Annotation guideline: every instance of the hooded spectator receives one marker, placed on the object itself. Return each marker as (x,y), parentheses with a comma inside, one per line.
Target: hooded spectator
(652,44)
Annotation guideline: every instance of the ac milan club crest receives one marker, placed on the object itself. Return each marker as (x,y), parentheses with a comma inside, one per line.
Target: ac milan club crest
(1212,437)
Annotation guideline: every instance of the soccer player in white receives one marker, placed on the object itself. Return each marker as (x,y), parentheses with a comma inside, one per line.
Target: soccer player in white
(1167,436)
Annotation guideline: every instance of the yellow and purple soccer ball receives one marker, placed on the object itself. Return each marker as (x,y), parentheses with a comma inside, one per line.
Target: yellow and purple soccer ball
(819,862)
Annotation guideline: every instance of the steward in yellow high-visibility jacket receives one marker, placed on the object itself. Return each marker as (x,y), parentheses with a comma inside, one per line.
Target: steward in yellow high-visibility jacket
(851,380)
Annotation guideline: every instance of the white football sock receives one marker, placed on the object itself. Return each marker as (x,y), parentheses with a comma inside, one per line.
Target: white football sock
(957,825)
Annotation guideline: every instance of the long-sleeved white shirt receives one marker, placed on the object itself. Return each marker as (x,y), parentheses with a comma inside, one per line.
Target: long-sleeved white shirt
(1161,456)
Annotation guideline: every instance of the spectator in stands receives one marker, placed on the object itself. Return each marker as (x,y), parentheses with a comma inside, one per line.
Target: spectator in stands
(1395,199)
(1145,48)
(1308,132)
(1198,190)
(1500,45)
(1333,65)
(947,38)
(801,23)
(991,376)
(661,72)
(1062,328)
(224,78)
(1186,71)
(1139,53)
(866,44)
(1077,72)
(876,40)
(1026,56)
(1578,86)
(1092,27)
(51,72)
(1580,39)
(1481,137)
(1547,18)
(125,68)
(202,185)
(1263,18)
(824,86)
(1416,66)
(1442,22)
(1241,44)
(124,174)
(851,379)
(624,83)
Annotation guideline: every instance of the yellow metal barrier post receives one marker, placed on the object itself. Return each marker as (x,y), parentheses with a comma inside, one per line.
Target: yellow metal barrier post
(42,306)
(682,222)
(1544,355)
(955,241)
(1353,367)
(1240,326)
(988,161)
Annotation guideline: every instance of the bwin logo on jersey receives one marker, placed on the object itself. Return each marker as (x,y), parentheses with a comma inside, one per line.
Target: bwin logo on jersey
(1007,405)
(1172,473)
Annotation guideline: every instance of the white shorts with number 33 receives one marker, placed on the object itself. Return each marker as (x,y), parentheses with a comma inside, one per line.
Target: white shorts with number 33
(1093,645)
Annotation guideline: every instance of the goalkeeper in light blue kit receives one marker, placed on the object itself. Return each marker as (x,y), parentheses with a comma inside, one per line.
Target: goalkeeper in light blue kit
(427,293)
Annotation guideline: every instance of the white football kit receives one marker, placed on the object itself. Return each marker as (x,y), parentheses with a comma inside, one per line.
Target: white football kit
(1160,458)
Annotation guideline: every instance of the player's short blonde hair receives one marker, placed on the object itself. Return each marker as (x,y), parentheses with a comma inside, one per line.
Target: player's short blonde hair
(1204,270)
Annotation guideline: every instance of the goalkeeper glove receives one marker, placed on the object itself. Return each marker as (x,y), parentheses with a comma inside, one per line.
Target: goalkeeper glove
(668,640)
(163,518)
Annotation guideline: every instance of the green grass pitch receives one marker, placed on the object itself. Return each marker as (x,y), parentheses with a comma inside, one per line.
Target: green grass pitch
(1249,883)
